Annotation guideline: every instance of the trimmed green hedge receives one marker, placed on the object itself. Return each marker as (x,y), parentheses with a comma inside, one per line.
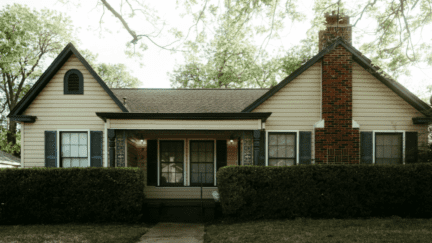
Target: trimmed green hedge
(61,195)
(326,191)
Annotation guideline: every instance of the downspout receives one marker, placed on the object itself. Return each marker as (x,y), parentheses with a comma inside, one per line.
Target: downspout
(106,126)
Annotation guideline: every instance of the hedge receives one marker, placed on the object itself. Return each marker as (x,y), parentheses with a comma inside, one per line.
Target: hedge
(62,195)
(326,191)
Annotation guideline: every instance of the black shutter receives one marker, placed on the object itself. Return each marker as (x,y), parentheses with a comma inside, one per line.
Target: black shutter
(305,149)
(366,149)
(96,148)
(151,162)
(50,148)
(262,149)
(411,147)
(221,154)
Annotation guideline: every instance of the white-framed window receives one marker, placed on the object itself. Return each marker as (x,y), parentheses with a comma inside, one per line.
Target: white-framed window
(282,148)
(388,147)
(73,148)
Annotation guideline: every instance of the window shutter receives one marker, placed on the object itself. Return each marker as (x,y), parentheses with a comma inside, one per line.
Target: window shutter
(221,154)
(96,148)
(366,147)
(411,147)
(151,162)
(50,148)
(305,148)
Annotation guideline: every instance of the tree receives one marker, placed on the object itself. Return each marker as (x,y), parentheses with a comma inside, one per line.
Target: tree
(114,75)
(26,38)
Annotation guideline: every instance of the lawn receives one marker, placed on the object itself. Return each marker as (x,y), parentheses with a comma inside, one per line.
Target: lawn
(68,233)
(334,230)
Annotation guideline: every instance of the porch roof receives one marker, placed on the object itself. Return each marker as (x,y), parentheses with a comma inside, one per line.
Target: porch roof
(186,116)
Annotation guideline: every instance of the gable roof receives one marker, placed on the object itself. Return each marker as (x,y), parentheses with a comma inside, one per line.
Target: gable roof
(188,100)
(51,71)
(398,88)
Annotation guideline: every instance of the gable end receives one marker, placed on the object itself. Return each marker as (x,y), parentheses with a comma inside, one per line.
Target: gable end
(58,62)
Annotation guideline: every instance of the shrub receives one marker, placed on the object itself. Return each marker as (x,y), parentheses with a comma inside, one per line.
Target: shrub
(60,195)
(326,191)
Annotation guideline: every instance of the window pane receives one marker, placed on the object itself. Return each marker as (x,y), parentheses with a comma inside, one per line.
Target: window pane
(82,151)
(209,147)
(209,178)
(379,139)
(164,178)
(397,140)
(202,167)
(273,151)
(75,162)
(165,167)
(290,152)
(83,138)
(281,139)
(179,167)
(209,157)
(74,138)
(291,139)
(164,157)
(194,156)
(209,168)
(194,146)
(387,151)
(201,146)
(178,178)
(195,178)
(379,151)
(74,150)
(290,162)
(66,163)
(272,139)
(388,139)
(66,151)
(202,157)
(84,162)
(179,157)
(273,162)
(171,167)
(195,168)
(282,151)
(65,138)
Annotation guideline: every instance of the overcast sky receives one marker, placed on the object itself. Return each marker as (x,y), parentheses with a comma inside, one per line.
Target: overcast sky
(110,46)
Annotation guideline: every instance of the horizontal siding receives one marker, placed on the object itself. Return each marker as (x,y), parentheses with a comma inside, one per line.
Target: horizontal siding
(55,110)
(152,192)
(186,124)
(297,106)
(377,107)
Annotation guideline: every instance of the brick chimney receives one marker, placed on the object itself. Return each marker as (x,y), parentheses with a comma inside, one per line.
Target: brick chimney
(335,29)
(336,142)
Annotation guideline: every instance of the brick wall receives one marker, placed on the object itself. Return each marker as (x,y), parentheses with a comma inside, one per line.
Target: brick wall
(337,142)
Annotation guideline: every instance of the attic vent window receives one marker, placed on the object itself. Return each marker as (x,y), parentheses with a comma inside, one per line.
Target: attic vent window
(73,82)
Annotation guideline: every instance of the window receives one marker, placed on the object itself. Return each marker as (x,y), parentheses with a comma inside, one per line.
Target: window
(388,148)
(171,163)
(73,82)
(281,149)
(74,149)
(202,163)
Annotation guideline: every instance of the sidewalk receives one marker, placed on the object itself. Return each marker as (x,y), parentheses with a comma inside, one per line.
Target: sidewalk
(174,232)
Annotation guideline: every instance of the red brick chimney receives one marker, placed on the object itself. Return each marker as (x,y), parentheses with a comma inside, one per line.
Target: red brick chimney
(336,142)
(336,26)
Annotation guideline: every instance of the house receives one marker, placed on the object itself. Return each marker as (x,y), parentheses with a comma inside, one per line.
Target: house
(336,108)
(9,161)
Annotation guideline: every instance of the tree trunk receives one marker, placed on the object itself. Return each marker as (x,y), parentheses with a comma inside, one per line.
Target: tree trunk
(11,136)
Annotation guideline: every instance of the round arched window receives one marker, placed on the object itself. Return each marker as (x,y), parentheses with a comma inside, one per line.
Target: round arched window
(73,82)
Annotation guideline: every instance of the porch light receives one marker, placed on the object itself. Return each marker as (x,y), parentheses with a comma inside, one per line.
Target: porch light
(231,139)
(143,142)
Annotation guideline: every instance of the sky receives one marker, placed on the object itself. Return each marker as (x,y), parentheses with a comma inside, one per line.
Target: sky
(110,47)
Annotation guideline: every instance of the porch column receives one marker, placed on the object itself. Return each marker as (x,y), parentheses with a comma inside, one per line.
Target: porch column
(256,146)
(111,138)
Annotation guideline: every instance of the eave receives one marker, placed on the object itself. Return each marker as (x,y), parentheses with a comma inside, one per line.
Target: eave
(422,120)
(22,118)
(185,116)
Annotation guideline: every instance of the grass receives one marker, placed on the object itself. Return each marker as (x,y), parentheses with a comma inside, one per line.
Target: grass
(68,233)
(392,229)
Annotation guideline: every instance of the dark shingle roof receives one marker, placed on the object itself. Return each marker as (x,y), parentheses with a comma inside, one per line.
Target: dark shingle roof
(187,100)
